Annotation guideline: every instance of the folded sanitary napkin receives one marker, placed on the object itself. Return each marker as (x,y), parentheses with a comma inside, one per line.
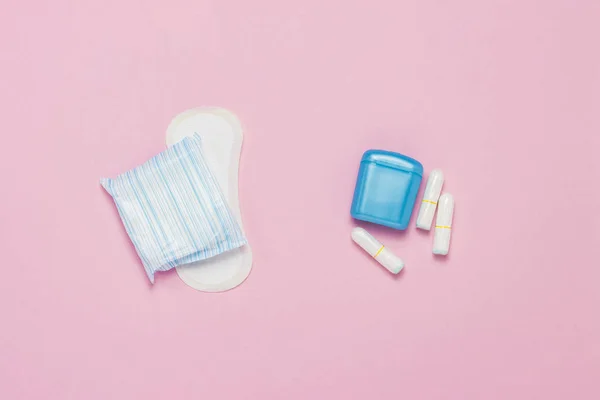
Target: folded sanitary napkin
(173,209)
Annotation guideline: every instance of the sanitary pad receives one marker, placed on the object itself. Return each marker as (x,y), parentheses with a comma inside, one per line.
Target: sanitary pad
(221,136)
(174,210)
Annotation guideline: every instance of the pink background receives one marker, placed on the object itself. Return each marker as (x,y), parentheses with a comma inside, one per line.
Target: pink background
(503,95)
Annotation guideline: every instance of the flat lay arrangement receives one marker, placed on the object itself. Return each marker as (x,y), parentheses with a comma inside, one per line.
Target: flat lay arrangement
(257,200)
(181,208)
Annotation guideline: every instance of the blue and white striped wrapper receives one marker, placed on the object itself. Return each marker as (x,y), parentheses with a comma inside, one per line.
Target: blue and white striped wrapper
(173,209)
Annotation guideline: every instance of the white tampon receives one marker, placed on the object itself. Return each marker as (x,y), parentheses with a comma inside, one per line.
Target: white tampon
(430,199)
(443,225)
(378,251)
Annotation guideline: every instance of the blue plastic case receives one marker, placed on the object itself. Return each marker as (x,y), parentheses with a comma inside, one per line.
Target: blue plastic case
(386,188)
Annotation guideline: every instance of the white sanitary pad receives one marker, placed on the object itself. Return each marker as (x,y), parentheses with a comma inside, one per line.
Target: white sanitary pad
(221,139)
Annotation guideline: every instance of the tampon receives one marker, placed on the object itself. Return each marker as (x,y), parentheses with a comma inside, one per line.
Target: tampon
(378,251)
(443,225)
(430,199)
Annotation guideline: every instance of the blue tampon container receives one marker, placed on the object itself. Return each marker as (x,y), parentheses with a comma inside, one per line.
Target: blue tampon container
(386,188)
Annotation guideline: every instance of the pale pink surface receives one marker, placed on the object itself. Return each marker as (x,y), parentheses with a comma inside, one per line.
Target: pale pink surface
(503,95)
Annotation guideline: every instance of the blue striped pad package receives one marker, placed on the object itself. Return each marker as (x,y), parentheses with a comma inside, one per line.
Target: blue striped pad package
(173,209)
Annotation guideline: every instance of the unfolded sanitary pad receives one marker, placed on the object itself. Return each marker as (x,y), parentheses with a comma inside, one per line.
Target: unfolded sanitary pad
(173,209)
(221,135)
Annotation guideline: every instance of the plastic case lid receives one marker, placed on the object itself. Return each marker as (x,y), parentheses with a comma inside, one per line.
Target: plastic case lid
(393,160)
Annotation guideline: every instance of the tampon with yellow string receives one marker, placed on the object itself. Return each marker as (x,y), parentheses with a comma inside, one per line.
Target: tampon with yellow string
(443,225)
(430,199)
(378,251)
